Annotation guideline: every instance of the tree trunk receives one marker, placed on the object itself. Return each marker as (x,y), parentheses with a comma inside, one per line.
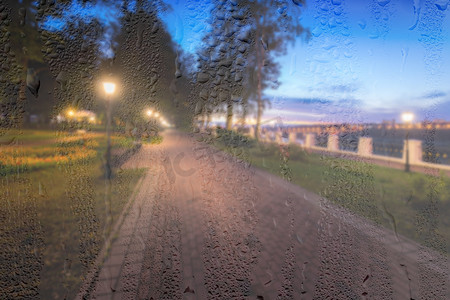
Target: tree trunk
(229,123)
(244,115)
(258,120)
(202,123)
(208,119)
(259,101)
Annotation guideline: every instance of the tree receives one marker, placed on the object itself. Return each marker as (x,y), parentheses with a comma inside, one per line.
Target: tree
(221,60)
(274,27)
(72,54)
(21,60)
(151,65)
(240,50)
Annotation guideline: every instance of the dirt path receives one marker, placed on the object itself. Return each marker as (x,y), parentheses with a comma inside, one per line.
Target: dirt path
(204,225)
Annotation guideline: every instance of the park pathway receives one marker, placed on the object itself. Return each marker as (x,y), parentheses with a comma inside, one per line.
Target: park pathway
(205,225)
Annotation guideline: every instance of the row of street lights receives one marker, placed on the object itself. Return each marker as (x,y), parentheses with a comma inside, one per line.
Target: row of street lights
(154,114)
(109,88)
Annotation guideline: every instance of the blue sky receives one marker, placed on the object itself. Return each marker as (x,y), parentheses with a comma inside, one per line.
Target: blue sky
(366,60)
(374,64)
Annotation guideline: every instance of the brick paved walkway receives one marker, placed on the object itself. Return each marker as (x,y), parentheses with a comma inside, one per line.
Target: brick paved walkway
(204,225)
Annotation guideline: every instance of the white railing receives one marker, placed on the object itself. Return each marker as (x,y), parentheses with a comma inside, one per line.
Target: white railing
(365,148)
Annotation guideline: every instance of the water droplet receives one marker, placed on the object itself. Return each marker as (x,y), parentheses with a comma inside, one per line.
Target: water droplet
(362,24)
(324,7)
(33,82)
(383,2)
(297,2)
(332,23)
(338,11)
(155,28)
(442,4)
(316,31)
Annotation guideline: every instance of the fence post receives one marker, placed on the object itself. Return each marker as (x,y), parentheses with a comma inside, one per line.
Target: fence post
(293,137)
(365,146)
(415,151)
(279,137)
(310,140)
(333,142)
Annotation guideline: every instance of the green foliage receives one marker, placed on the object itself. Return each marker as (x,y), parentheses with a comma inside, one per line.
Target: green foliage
(266,150)
(26,42)
(24,136)
(124,142)
(153,140)
(67,202)
(351,185)
(156,140)
(233,139)
(297,153)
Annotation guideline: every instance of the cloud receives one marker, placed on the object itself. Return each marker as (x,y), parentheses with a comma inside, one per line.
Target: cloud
(307,100)
(434,95)
(309,109)
(336,89)
(344,88)
(287,112)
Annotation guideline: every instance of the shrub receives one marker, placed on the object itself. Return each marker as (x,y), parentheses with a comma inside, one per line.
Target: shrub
(297,153)
(233,139)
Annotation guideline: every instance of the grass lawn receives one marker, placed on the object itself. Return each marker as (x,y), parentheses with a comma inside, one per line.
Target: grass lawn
(26,135)
(55,217)
(413,204)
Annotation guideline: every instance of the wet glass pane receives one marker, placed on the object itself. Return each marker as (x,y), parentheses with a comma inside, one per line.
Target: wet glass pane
(224,149)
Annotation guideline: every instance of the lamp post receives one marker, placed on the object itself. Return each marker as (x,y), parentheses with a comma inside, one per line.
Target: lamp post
(407,118)
(109,91)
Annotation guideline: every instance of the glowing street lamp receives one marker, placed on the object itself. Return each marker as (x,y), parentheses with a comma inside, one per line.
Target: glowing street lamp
(71,113)
(109,87)
(71,116)
(149,112)
(156,114)
(407,118)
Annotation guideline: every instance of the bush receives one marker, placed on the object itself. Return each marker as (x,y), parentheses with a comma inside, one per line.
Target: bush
(267,150)
(297,153)
(233,139)
(154,140)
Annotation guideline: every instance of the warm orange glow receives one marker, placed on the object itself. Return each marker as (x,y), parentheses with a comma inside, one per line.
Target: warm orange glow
(109,87)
